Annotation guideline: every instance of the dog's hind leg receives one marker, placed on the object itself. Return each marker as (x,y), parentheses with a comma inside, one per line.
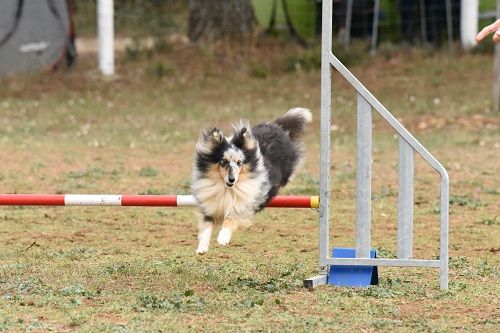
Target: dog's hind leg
(205,227)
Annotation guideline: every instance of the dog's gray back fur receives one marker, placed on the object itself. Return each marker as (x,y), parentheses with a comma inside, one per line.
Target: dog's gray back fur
(281,147)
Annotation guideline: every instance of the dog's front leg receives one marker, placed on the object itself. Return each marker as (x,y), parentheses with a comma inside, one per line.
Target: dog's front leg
(205,227)
(229,226)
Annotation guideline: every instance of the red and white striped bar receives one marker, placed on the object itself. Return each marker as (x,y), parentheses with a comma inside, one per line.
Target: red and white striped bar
(135,200)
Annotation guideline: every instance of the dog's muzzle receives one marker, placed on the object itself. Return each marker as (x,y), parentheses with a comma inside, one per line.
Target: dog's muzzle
(231,180)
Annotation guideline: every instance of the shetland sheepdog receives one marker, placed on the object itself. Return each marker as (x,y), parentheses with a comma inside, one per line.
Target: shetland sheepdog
(234,177)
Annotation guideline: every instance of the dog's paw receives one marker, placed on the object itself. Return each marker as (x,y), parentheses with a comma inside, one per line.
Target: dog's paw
(224,237)
(202,248)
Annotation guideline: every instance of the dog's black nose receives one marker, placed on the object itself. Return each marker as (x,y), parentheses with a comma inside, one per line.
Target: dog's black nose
(231,180)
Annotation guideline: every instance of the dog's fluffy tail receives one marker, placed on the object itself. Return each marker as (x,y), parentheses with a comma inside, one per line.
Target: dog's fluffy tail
(294,122)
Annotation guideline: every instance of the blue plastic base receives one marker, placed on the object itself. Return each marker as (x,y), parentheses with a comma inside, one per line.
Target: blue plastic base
(352,276)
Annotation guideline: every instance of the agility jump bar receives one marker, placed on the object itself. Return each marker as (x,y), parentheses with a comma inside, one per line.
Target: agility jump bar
(136,200)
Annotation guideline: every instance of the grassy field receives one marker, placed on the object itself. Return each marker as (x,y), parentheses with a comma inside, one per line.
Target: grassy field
(135,269)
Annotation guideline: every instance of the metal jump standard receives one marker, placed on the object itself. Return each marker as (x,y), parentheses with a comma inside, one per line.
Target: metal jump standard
(350,265)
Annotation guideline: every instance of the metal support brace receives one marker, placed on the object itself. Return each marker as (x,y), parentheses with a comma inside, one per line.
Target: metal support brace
(405,200)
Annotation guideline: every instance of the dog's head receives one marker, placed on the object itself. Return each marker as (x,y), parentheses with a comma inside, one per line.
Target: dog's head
(232,157)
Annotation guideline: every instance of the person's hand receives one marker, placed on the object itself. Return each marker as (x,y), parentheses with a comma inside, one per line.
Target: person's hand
(494,27)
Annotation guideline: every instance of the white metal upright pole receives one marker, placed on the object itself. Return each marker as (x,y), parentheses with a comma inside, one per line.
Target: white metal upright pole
(496,70)
(105,32)
(326,124)
(326,119)
(469,15)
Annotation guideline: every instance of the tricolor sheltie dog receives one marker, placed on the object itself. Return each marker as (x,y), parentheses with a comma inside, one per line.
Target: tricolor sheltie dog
(235,177)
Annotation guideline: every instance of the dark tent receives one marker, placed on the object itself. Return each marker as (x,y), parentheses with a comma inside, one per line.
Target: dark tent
(35,35)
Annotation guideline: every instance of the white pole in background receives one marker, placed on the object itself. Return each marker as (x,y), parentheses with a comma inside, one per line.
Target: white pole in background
(469,15)
(496,70)
(106,36)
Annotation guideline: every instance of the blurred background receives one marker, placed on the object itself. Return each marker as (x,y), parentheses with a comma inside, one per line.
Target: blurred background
(40,31)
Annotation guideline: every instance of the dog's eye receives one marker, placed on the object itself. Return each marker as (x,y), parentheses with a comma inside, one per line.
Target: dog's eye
(239,163)
(223,162)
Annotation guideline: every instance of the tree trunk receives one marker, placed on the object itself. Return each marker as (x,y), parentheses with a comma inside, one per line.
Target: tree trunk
(212,20)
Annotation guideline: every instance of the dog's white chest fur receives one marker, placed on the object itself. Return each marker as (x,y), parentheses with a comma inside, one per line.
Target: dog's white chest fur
(220,202)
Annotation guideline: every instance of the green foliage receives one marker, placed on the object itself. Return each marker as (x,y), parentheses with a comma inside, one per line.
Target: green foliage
(306,184)
(176,302)
(389,26)
(490,221)
(466,201)
(182,186)
(117,269)
(485,47)
(77,319)
(385,253)
(155,302)
(151,191)
(250,303)
(148,171)
(160,69)
(459,262)
(73,254)
(305,60)
(146,17)
(302,14)
(77,290)
(90,173)
(485,268)
(258,70)
(384,192)
(486,5)
(491,191)
(357,53)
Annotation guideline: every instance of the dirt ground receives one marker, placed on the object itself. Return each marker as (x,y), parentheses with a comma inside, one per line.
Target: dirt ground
(134,269)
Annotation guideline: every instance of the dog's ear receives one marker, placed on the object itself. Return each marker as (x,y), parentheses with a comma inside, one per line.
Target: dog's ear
(214,135)
(209,139)
(243,138)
